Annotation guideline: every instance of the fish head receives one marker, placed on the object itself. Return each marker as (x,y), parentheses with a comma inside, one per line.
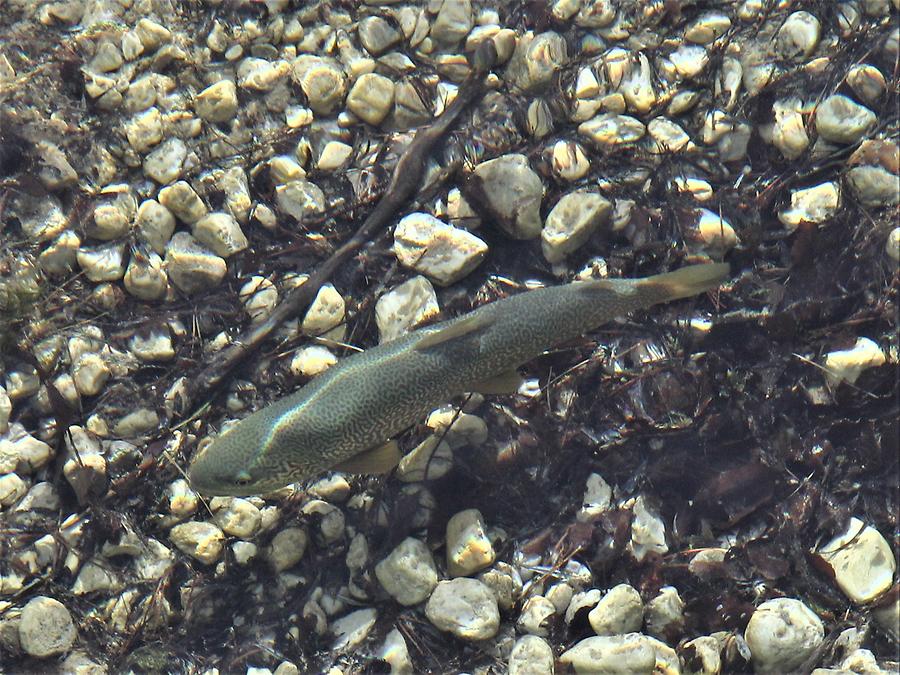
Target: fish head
(241,462)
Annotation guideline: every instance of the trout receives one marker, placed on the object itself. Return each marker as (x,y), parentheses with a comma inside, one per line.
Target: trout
(344,419)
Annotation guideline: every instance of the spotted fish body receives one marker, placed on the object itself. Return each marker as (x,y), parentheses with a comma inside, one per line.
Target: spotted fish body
(373,395)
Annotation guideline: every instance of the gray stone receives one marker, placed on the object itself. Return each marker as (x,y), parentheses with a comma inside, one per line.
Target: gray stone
(46,628)
(464,607)
(571,222)
(514,192)
(191,266)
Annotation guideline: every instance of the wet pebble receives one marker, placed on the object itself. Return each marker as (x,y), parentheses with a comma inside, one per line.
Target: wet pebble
(456,428)
(202,541)
(46,628)
(408,574)
(840,119)
(90,372)
(846,365)
(145,277)
(287,548)
(325,315)
(862,562)
(154,224)
(514,192)
(376,35)
(618,612)
(535,617)
(442,252)
(568,161)
(371,98)
(164,163)
(664,614)
(648,532)
(506,583)
(789,132)
(192,267)
(311,361)
(453,21)
(429,460)
(300,199)
(609,130)
(874,185)
(21,452)
(144,130)
(102,263)
(221,233)
(352,630)
(259,297)
(183,202)
(535,61)
(237,517)
(612,654)
(322,81)
(464,607)
(782,634)
(701,656)
(183,501)
(867,82)
(402,308)
(396,654)
(891,247)
(571,222)
(5,410)
(468,547)
(816,204)
(218,102)
(531,655)
(798,35)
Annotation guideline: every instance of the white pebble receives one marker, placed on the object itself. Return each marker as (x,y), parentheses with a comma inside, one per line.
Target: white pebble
(352,629)
(201,541)
(840,119)
(442,252)
(395,652)
(218,102)
(531,655)
(404,307)
(238,518)
(798,35)
(648,532)
(613,654)
(46,628)
(514,192)
(464,607)
(618,612)
(535,616)
(571,222)
(664,614)
(102,263)
(468,547)
(259,297)
(192,267)
(408,574)
(183,201)
(165,162)
(287,548)
(862,561)
(429,460)
(782,633)
(816,204)
(311,361)
(90,372)
(847,365)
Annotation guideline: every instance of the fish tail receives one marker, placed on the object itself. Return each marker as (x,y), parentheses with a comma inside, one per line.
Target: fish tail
(684,283)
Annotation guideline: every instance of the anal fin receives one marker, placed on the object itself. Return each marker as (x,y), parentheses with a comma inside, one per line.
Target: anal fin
(380,459)
(504,383)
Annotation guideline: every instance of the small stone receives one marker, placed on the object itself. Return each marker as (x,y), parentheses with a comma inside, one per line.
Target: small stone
(862,561)
(618,612)
(377,36)
(156,345)
(311,361)
(41,219)
(61,255)
(95,575)
(181,199)
(56,173)
(608,130)
(782,633)
(325,313)
(891,247)
(689,60)
(322,81)
(371,98)
(259,297)
(468,547)
(333,156)
(90,372)
(201,541)
(664,615)
(648,532)
(613,654)
(442,252)
(395,652)
(87,476)
(513,192)
(404,307)
(798,35)
(464,607)
(261,75)
(848,364)
(707,28)
(46,628)
(238,518)
(164,163)
(715,233)
(287,548)
(568,161)
(429,460)
(352,630)
(701,656)
(456,428)
(191,266)
(667,137)
(841,120)
(535,61)
(505,582)
(145,277)
(816,204)
(154,225)
(408,574)
(535,616)
(453,21)
(22,453)
(22,383)
(789,133)
(136,423)
(597,499)
(5,410)
(152,34)
(144,130)
(538,119)
(12,489)
(867,82)
(300,199)
(183,501)
(102,263)
(571,222)
(531,655)
(221,233)
(218,102)
(874,185)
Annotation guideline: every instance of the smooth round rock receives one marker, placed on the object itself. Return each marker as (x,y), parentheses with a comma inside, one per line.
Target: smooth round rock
(631,654)
(300,199)
(218,102)
(816,204)
(102,263)
(145,277)
(464,607)
(238,518)
(144,130)
(154,225)
(322,81)
(191,266)
(664,614)
(468,547)
(371,98)
(798,35)
(164,163)
(609,130)
(620,611)
(46,628)
(429,460)
(183,201)
(201,541)
(840,119)
(874,185)
(408,574)
(311,360)
(287,548)
(531,655)
(453,21)
(782,633)
(376,35)
(402,308)
(221,233)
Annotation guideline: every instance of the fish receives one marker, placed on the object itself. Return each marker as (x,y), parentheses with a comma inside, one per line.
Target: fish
(345,418)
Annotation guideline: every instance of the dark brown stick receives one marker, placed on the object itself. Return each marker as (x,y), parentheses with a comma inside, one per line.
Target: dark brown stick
(404,182)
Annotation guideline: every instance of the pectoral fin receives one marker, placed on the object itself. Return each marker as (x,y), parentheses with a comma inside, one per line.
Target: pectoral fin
(375,460)
(504,383)
(457,330)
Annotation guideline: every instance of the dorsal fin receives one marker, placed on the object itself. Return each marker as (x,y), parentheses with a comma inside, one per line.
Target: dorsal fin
(459,329)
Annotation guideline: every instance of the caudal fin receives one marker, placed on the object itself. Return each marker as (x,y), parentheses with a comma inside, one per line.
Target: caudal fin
(684,283)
